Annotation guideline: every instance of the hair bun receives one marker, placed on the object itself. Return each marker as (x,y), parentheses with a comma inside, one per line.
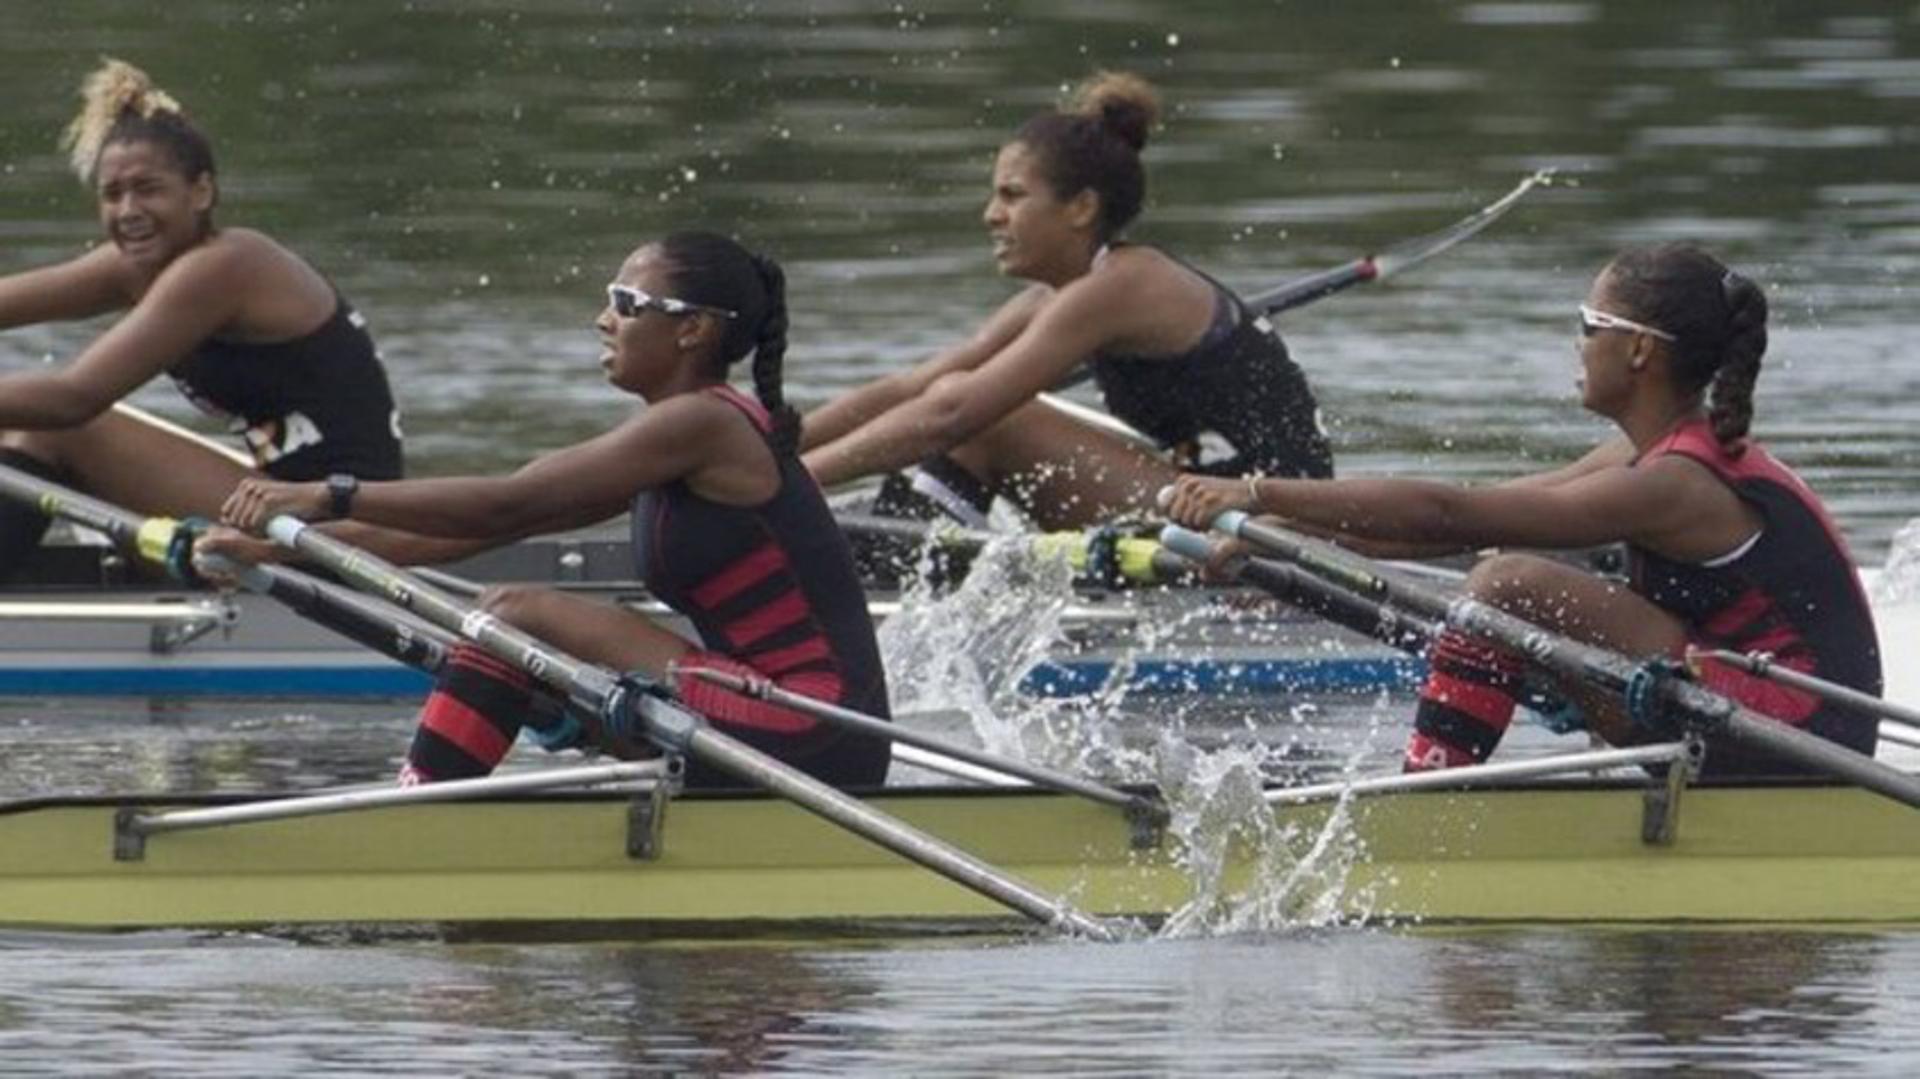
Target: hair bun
(115,88)
(1125,104)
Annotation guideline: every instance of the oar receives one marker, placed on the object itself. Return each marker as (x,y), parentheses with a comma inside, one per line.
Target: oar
(1762,665)
(1386,263)
(1136,806)
(1401,256)
(629,705)
(168,543)
(1699,709)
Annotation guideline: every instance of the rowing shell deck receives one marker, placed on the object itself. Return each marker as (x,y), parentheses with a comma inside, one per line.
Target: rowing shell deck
(627,865)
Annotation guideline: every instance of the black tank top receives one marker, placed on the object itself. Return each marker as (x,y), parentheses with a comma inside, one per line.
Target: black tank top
(1237,382)
(1792,593)
(306,408)
(772,586)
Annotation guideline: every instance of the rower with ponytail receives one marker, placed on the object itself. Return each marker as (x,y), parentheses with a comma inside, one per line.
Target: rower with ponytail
(727,528)
(1728,548)
(246,328)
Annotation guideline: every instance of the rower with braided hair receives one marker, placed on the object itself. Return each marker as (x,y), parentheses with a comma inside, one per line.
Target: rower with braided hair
(245,327)
(728,529)
(1728,548)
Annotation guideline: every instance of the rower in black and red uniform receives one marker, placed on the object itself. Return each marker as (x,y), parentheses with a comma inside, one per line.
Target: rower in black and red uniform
(1729,548)
(728,529)
(1789,592)
(771,590)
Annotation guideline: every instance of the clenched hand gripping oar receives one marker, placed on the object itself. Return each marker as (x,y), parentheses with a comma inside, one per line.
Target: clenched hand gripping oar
(168,543)
(1699,709)
(629,705)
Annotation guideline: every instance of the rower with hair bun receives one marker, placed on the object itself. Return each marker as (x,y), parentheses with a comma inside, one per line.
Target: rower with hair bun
(1728,548)
(1175,354)
(245,327)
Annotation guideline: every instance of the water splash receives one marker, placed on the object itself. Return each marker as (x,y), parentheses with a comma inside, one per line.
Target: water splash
(1899,581)
(1253,870)
(963,654)
(969,649)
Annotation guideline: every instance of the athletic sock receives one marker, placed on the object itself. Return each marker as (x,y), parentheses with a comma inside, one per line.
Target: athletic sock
(21,526)
(1465,706)
(470,719)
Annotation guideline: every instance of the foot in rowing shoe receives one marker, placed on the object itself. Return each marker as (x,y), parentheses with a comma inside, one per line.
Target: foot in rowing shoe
(888,560)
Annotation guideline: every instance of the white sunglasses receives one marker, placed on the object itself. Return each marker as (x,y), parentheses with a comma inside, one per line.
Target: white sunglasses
(1592,322)
(628,301)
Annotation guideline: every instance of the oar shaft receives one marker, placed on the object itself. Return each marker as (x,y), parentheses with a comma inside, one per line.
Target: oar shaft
(1708,712)
(153,540)
(674,728)
(1819,687)
(420,646)
(1374,618)
(740,760)
(864,724)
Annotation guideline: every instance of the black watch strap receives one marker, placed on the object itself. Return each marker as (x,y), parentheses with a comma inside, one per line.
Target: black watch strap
(341,487)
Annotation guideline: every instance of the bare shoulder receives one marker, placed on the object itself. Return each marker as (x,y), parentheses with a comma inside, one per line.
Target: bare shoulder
(687,414)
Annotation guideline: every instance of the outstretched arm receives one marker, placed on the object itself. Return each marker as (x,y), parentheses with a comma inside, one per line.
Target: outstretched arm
(682,437)
(850,411)
(196,295)
(92,284)
(1671,504)
(957,403)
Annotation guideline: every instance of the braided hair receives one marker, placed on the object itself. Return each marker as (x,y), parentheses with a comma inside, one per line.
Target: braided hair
(710,269)
(1717,317)
(119,103)
(1096,143)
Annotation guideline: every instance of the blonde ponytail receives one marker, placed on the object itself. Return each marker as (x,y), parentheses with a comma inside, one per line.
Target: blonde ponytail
(113,92)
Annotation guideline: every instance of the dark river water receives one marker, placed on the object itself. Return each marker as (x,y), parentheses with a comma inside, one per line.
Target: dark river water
(470,173)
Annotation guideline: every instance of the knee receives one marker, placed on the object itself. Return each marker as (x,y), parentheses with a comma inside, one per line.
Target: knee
(512,603)
(1517,583)
(1540,590)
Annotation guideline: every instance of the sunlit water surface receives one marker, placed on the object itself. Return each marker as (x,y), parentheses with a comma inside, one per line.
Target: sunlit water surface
(470,173)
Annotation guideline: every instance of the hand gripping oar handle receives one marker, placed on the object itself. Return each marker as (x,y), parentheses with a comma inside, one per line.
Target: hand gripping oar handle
(1381,621)
(625,701)
(1106,555)
(168,543)
(1701,710)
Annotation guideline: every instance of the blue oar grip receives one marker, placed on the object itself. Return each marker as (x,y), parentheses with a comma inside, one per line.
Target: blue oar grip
(1186,543)
(1230,522)
(285,530)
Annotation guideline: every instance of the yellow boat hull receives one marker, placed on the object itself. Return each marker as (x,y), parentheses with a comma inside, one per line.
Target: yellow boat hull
(1786,854)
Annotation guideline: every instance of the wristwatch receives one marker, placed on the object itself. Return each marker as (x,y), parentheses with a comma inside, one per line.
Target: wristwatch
(341,487)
